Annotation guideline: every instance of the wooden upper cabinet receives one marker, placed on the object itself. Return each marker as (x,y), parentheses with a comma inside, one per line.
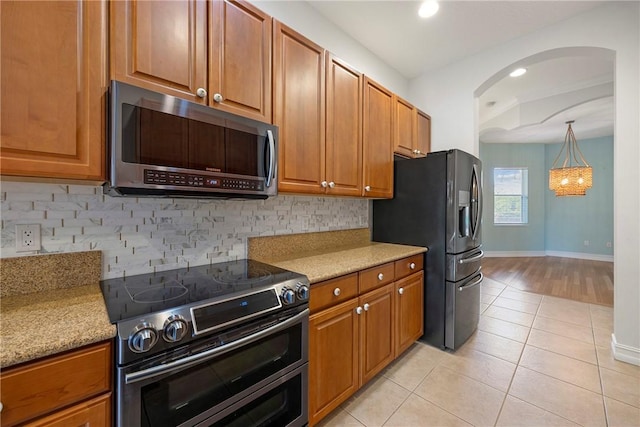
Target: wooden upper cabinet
(299,110)
(240,59)
(344,129)
(53,78)
(404,134)
(423,132)
(160,45)
(412,135)
(377,140)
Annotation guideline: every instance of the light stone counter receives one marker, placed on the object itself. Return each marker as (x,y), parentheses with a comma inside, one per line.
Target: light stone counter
(62,310)
(323,256)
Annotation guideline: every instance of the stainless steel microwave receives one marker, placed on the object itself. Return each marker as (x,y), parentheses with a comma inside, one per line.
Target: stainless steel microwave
(163,146)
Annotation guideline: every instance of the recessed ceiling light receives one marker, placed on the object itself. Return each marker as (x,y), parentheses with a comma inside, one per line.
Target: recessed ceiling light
(518,72)
(428,8)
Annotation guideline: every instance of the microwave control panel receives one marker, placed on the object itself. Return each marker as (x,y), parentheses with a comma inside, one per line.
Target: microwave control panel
(179,179)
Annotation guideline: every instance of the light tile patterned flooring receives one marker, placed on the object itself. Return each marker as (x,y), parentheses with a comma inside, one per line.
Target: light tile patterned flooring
(535,360)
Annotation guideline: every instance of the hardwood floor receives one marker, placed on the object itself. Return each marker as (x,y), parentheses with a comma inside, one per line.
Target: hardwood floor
(576,279)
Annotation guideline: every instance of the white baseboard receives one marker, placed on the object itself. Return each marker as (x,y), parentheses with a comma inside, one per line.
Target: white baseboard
(625,353)
(578,255)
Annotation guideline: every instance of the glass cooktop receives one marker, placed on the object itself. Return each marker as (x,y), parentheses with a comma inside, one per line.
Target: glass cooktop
(154,292)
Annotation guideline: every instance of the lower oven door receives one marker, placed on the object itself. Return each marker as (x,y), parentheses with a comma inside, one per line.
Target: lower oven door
(279,404)
(195,387)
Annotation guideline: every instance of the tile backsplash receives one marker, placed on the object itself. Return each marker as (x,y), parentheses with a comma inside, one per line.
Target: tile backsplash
(143,235)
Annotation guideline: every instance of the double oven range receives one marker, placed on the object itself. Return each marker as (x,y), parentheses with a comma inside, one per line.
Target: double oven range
(217,345)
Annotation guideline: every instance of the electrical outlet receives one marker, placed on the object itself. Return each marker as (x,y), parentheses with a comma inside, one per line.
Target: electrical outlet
(28,237)
(608,244)
(586,243)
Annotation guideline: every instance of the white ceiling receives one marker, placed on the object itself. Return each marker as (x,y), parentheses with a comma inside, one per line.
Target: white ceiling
(531,108)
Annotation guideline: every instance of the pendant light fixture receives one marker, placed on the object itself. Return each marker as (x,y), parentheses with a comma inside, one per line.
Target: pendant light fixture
(574,176)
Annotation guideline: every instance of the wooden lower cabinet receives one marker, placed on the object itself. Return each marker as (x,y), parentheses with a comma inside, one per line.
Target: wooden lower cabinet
(409,306)
(333,358)
(69,389)
(350,341)
(377,343)
(93,413)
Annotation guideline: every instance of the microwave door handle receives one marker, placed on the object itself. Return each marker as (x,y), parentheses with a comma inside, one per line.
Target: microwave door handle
(272,152)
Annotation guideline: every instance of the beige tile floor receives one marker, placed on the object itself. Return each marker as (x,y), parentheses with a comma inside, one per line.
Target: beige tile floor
(534,361)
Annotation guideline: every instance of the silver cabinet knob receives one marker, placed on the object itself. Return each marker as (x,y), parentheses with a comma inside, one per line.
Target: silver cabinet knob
(332,184)
(366,307)
(1,406)
(217,97)
(416,151)
(412,266)
(323,184)
(401,291)
(201,92)
(358,310)
(175,328)
(367,188)
(380,276)
(336,292)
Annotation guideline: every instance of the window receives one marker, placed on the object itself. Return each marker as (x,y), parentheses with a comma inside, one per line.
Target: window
(510,195)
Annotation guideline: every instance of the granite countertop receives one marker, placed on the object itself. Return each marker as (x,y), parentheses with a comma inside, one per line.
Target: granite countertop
(325,255)
(50,304)
(49,322)
(328,265)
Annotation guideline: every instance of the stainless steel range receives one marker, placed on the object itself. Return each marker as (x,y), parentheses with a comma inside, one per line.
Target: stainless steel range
(223,344)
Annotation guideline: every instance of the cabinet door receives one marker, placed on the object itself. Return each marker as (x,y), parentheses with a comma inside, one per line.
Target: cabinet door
(240,59)
(409,310)
(423,133)
(344,129)
(403,135)
(333,358)
(377,141)
(299,100)
(160,45)
(93,413)
(53,79)
(377,325)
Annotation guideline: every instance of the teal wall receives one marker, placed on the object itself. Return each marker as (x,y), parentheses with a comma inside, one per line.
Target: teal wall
(572,220)
(556,224)
(526,237)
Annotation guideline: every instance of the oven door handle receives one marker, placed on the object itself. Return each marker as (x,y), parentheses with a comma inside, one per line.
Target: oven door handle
(188,361)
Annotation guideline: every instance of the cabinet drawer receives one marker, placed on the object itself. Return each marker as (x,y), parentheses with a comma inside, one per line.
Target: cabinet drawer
(40,387)
(330,292)
(376,277)
(404,266)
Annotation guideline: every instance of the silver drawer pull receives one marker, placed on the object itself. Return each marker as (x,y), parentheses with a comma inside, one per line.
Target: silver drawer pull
(358,310)
(412,265)
(401,291)
(366,307)
(380,276)
(336,292)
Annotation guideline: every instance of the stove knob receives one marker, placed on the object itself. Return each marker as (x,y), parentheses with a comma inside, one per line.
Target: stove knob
(288,296)
(142,338)
(302,291)
(175,328)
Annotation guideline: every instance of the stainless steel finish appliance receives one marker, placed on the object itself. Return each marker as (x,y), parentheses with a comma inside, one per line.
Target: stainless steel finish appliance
(160,145)
(223,344)
(438,204)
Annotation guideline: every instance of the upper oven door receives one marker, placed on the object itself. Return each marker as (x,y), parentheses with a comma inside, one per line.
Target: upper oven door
(162,142)
(216,373)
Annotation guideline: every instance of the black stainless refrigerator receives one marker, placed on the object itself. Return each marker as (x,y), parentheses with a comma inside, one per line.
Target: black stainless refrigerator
(437,203)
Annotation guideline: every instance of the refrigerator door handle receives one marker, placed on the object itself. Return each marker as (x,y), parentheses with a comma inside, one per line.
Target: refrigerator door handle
(472,284)
(473,258)
(476,198)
